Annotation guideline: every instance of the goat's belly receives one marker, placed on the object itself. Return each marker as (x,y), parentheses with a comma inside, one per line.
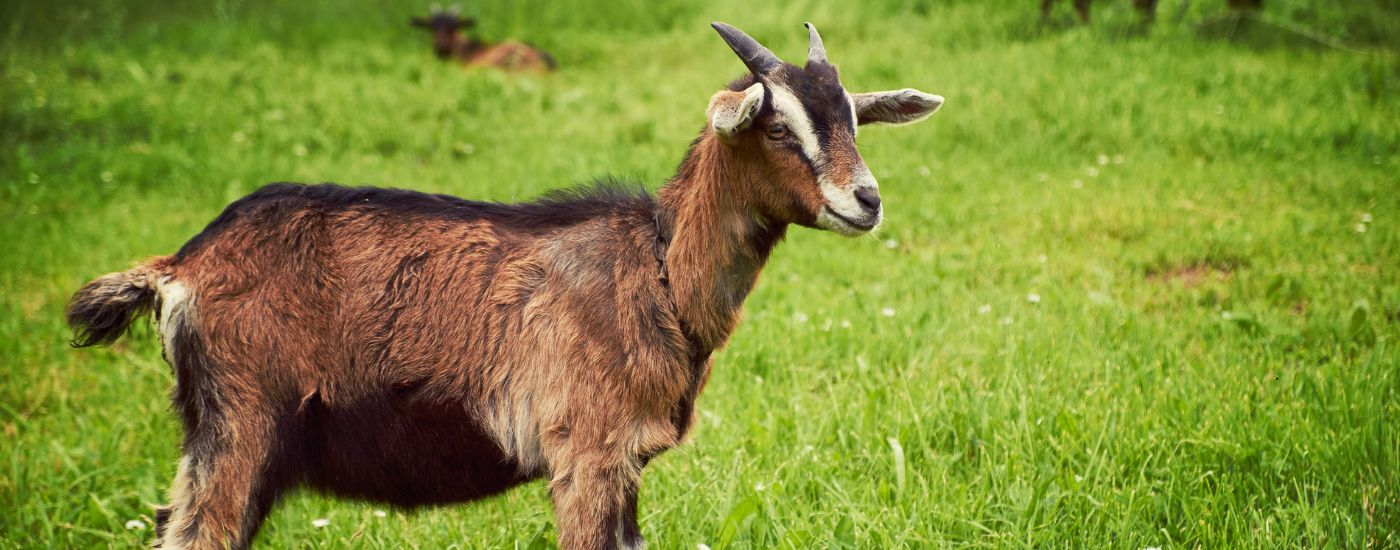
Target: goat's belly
(408,459)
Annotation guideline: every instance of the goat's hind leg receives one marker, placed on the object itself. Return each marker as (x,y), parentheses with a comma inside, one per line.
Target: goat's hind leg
(226,484)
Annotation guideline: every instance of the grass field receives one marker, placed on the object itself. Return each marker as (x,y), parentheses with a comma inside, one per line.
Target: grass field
(1138,286)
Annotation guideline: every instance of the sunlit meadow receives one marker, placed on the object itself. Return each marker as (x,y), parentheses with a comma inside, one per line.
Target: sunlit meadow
(1139,286)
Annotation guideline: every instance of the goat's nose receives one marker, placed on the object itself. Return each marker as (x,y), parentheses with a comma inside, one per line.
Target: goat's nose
(869,198)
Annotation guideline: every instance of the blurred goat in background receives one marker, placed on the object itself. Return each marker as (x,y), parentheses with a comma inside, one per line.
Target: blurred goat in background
(449,42)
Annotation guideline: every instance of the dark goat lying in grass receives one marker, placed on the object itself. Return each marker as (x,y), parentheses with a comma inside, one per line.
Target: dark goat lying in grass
(422,349)
(450,43)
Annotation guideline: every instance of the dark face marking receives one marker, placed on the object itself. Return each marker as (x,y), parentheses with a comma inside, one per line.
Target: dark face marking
(818,87)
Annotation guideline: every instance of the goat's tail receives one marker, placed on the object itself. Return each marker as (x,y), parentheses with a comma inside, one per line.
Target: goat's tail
(104,308)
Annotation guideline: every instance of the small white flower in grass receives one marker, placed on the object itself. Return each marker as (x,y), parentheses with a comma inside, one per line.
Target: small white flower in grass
(107,177)
(1042,177)
(1006,321)
(1366,217)
(891,244)
(299,150)
(1360,228)
(1033,298)
(380,513)
(702,546)
(985,309)
(845,323)
(924,171)
(1076,184)
(1092,172)
(1152,548)
(1119,158)
(33,178)
(136,525)
(759,487)
(320,522)
(799,317)
(1042,258)
(1227,315)
(887,312)
(1103,159)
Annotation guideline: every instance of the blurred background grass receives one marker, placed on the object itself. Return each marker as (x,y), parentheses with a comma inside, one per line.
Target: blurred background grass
(1137,286)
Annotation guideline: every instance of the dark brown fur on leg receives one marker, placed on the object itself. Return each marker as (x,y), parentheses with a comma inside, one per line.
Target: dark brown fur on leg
(162,521)
(631,531)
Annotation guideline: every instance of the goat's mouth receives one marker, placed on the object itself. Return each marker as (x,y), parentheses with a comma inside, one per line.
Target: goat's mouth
(829,218)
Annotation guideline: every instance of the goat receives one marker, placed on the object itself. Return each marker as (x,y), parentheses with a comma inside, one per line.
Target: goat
(421,349)
(450,43)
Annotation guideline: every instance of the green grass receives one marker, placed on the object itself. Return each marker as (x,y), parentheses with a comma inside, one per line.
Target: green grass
(1208,209)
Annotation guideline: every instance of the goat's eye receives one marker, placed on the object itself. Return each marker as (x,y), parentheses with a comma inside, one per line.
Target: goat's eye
(777,132)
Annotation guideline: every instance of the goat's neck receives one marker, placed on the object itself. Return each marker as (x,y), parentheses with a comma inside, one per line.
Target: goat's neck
(718,241)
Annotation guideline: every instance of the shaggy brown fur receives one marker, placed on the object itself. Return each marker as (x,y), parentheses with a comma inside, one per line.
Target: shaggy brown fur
(422,349)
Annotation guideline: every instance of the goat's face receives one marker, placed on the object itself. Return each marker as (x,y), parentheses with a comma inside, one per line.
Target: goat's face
(444,25)
(799,124)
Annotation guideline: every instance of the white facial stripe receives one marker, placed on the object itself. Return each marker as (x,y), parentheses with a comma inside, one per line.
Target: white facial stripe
(801,126)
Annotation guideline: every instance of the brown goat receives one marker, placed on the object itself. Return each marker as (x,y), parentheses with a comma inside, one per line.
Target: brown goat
(450,43)
(422,349)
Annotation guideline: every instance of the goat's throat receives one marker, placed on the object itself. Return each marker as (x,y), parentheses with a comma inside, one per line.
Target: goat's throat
(718,242)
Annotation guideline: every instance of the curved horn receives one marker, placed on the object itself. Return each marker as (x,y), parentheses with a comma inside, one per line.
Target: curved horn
(816,52)
(756,57)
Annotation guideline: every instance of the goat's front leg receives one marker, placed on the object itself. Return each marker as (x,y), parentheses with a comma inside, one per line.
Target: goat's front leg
(594,492)
(631,531)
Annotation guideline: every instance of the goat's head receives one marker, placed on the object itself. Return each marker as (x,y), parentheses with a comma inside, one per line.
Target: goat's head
(799,123)
(444,25)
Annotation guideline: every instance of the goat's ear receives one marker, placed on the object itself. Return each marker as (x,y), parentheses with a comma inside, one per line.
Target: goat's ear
(732,112)
(895,106)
